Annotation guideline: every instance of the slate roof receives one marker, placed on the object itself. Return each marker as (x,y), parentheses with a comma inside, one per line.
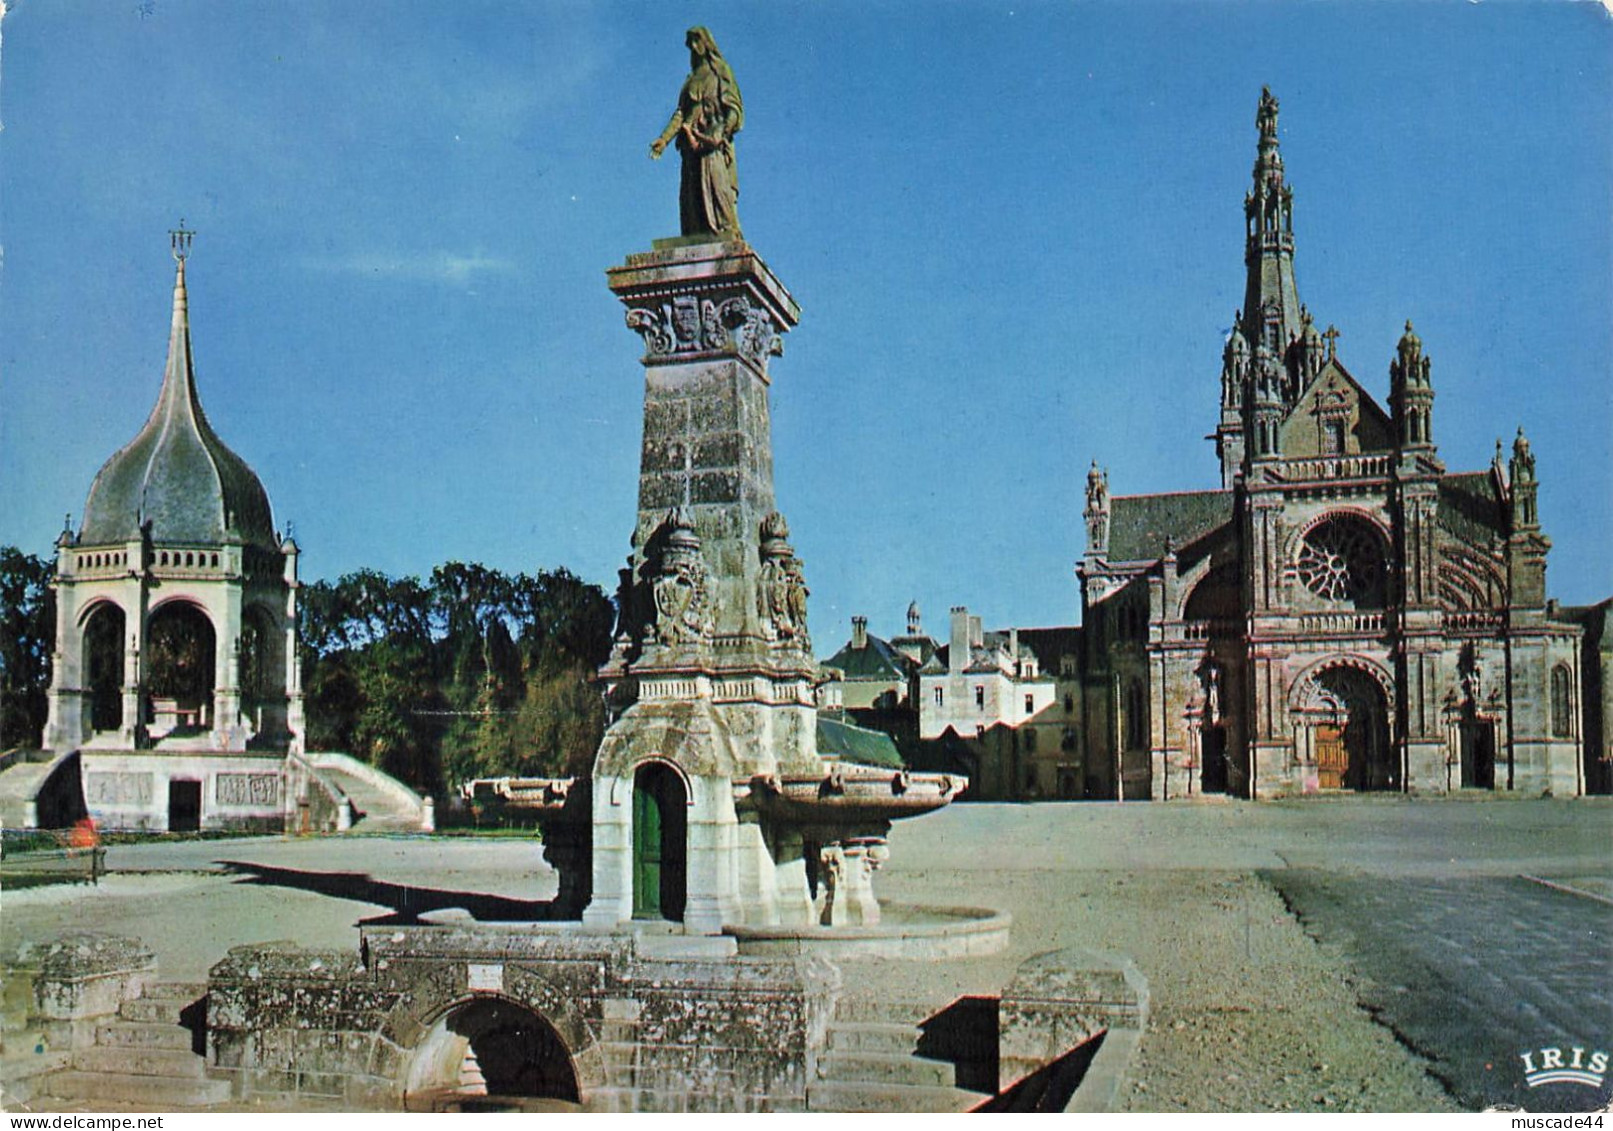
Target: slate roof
(876,661)
(1050,645)
(1471,507)
(856,744)
(1139,524)
(176,473)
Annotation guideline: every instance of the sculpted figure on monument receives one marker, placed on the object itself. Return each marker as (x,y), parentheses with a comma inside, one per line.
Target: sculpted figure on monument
(681,593)
(709,114)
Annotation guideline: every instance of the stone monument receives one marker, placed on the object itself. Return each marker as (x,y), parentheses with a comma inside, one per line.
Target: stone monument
(710,803)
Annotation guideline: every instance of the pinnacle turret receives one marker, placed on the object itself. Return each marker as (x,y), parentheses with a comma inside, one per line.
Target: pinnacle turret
(1271,310)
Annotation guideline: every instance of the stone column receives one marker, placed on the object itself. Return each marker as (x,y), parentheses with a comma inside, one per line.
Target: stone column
(611,901)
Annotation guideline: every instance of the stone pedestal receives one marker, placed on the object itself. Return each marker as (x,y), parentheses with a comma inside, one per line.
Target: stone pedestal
(82,979)
(712,668)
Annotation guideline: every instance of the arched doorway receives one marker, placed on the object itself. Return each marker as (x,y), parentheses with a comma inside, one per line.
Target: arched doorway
(660,824)
(180,666)
(1350,716)
(492,1054)
(103,666)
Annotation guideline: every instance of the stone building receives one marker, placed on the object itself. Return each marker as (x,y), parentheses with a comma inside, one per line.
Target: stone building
(1343,613)
(978,681)
(175,666)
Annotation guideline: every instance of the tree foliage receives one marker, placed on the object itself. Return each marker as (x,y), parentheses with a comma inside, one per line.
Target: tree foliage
(27,630)
(473,673)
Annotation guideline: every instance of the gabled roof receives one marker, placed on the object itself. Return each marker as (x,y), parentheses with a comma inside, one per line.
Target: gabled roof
(1140,524)
(176,474)
(1372,429)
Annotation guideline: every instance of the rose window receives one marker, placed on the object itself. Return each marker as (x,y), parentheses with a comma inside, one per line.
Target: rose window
(1339,561)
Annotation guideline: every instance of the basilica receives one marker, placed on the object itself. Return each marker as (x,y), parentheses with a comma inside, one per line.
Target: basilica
(1344,613)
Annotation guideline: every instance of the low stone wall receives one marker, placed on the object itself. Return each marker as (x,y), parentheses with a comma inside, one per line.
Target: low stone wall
(81,979)
(644,1028)
(1060,1000)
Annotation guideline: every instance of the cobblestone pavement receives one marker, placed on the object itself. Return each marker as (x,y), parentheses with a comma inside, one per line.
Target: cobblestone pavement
(1472,972)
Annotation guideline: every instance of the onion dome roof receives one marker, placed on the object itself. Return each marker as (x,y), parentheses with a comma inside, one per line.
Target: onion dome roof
(176,474)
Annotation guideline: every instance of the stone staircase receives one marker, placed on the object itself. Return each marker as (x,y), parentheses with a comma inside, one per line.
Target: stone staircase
(375,810)
(869,1063)
(141,1058)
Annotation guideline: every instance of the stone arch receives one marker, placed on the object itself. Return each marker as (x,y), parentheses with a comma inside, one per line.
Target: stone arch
(1562,701)
(1343,710)
(181,665)
(1304,685)
(622,787)
(1215,595)
(494,1051)
(103,632)
(260,653)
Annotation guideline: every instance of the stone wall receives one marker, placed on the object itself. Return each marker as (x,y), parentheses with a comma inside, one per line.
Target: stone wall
(657,1024)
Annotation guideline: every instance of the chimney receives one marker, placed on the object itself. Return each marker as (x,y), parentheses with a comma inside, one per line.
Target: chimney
(859,633)
(958,654)
(977,634)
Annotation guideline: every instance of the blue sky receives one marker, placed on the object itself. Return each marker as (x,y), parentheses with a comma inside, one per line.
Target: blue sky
(1015,231)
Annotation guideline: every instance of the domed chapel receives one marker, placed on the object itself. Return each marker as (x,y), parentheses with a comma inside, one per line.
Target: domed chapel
(175,672)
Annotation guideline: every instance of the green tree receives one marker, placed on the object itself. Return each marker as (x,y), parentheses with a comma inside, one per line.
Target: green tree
(27,633)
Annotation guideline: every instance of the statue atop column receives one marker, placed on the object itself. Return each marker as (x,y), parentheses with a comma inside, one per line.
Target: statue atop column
(709,113)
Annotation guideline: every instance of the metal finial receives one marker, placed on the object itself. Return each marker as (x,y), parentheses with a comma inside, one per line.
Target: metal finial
(179,240)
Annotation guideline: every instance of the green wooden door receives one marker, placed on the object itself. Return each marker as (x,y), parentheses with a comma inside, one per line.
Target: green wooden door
(646,850)
(660,852)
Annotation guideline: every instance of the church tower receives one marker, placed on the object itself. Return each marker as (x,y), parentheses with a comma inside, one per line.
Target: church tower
(1272,328)
(176,623)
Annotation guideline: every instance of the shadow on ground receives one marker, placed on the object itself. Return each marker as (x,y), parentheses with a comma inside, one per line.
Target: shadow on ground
(407,903)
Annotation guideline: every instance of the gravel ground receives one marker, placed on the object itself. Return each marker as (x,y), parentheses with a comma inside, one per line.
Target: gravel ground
(1248,1012)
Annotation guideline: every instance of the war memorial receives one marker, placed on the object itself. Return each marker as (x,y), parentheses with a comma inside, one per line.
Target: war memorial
(714,940)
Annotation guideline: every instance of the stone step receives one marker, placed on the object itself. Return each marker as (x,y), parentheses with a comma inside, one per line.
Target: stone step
(836,1095)
(144,1035)
(886,1068)
(162,1092)
(177,1063)
(871,1036)
(182,992)
(21,1075)
(164,1010)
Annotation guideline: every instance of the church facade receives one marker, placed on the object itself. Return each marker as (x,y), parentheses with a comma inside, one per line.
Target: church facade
(1344,612)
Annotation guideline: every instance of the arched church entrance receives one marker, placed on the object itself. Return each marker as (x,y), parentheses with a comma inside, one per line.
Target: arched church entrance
(660,852)
(1349,715)
(1477,738)
(103,666)
(181,654)
(492,1054)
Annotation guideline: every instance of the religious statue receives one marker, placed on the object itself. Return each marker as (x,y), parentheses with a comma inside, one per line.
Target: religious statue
(709,114)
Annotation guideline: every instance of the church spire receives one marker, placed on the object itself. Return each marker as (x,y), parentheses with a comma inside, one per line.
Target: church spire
(1271,310)
(179,378)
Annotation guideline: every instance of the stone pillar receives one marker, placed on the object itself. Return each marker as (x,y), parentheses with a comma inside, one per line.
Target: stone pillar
(847,869)
(790,879)
(228,733)
(611,901)
(710,898)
